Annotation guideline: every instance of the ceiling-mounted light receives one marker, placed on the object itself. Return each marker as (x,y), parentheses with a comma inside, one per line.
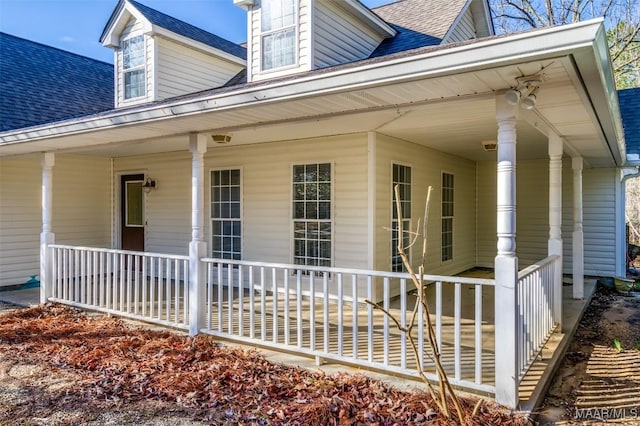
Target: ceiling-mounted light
(529,101)
(513,96)
(221,138)
(489,145)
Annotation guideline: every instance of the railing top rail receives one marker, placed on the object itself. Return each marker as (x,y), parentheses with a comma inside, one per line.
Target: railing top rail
(537,266)
(361,272)
(117,251)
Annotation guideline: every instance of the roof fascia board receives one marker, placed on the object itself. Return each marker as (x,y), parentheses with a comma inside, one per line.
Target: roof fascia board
(111,34)
(553,42)
(156,29)
(368,16)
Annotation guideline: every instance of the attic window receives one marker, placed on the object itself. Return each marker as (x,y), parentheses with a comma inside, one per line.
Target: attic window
(133,67)
(278,33)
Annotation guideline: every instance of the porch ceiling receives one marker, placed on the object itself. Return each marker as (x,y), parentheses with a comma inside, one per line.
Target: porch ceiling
(449,109)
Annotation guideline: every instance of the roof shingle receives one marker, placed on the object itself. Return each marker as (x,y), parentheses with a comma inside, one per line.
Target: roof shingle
(629,100)
(187,30)
(42,84)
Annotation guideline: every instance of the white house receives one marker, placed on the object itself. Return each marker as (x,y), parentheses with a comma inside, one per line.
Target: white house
(248,193)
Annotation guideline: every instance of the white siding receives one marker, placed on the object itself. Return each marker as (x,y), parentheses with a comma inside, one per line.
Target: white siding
(81,210)
(338,37)
(167,208)
(427,166)
(133,29)
(266,175)
(532,222)
(20,218)
(181,69)
(463,30)
(304,59)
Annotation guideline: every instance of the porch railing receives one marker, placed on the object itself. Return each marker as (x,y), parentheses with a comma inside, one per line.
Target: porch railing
(319,312)
(536,314)
(146,286)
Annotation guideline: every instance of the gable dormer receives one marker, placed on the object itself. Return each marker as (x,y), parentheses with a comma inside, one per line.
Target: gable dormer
(291,36)
(157,56)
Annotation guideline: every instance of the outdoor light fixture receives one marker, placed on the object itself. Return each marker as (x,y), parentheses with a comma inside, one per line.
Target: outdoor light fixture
(529,102)
(489,145)
(149,184)
(221,139)
(526,91)
(513,96)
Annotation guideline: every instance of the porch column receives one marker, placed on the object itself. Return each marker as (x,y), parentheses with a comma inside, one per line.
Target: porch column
(555,219)
(197,246)
(506,261)
(578,236)
(46,237)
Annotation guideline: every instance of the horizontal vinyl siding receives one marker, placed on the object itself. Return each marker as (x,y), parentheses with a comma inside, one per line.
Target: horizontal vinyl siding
(183,70)
(267,177)
(427,166)
(599,221)
(339,38)
(167,208)
(20,218)
(81,210)
(464,30)
(82,200)
(266,189)
(532,221)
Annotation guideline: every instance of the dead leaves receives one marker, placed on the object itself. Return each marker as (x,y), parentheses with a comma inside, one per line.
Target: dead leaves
(118,364)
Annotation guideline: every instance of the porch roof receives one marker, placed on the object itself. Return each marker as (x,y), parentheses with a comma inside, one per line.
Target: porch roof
(453,85)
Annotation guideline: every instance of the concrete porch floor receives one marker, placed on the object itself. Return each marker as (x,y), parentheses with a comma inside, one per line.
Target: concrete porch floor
(533,385)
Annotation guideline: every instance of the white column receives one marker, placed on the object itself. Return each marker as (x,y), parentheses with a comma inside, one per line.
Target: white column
(578,235)
(46,236)
(555,218)
(506,262)
(197,246)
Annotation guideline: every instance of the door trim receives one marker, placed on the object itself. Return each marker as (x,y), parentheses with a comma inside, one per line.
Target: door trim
(117,209)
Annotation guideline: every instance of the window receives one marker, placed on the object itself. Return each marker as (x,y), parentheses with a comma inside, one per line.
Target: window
(401,178)
(134,206)
(312,214)
(226,224)
(133,67)
(447,216)
(278,33)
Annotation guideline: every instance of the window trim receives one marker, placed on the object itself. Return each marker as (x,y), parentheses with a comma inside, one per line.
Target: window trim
(142,67)
(296,48)
(291,211)
(451,218)
(393,208)
(210,202)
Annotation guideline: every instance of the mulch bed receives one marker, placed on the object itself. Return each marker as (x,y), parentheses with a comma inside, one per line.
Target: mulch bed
(116,363)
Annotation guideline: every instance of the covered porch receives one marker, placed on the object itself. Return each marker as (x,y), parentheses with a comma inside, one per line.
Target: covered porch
(361,120)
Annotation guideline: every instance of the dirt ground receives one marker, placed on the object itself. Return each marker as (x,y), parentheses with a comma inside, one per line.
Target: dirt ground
(61,366)
(599,380)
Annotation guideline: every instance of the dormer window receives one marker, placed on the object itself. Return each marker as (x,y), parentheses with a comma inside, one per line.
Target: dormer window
(278,33)
(133,67)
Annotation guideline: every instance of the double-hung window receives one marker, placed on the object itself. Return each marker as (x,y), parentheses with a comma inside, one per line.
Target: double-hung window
(312,214)
(447,216)
(402,179)
(133,67)
(278,33)
(226,221)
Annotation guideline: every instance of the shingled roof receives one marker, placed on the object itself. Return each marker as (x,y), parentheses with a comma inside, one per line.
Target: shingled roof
(42,84)
(419,23)
(629,100)
(182,28)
